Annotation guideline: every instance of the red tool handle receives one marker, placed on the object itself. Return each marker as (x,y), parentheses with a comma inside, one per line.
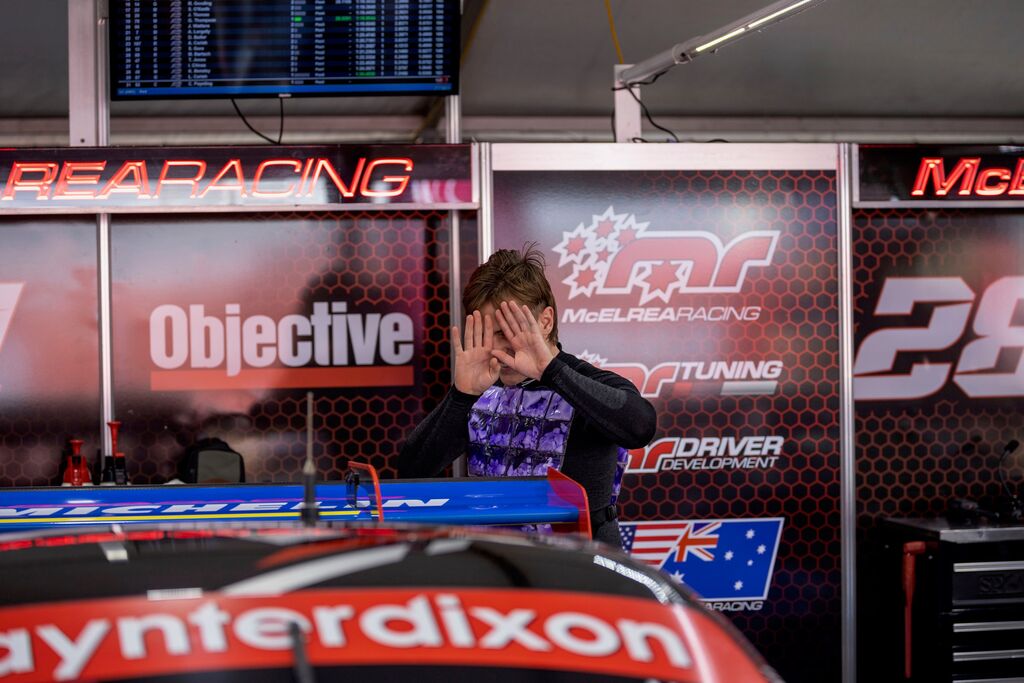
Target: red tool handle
(114,425)
(910,552)
(75,465)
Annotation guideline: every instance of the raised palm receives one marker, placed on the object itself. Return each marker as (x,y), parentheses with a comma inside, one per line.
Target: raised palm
(475,367)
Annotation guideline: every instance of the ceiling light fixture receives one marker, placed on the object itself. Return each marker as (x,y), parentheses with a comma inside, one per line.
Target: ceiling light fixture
(632,76)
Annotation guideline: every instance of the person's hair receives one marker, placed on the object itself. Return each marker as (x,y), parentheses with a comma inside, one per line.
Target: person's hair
(510,274)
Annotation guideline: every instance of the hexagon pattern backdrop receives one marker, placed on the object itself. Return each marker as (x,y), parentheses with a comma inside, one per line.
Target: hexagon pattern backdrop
(736,344)
(916,454)
(255,267)
(49,345)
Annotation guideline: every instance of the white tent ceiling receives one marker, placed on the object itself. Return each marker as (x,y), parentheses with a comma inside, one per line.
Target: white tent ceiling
(908,70)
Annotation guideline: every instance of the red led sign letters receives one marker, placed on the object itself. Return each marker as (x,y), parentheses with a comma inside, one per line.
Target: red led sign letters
(968,179)
(150,179)
(272,179)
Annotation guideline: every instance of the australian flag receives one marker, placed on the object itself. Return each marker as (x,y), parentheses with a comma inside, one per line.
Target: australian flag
(720,559)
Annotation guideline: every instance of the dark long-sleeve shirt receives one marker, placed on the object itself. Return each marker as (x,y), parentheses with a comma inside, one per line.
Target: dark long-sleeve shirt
(609,413)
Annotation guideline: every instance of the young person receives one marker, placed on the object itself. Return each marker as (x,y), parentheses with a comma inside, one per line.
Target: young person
(520,404)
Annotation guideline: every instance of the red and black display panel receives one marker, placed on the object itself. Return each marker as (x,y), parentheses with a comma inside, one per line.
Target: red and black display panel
(937,372)
(223,322)
(938,367)
(49,345)
(714,291)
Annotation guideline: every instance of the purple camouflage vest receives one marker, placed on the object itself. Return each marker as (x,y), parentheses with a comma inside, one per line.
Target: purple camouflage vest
(514,432)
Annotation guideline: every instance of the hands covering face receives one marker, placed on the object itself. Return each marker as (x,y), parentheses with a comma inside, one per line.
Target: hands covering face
(475,367)
(479,362)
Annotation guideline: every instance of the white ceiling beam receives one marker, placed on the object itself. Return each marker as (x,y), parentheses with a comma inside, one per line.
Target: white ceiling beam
(25,132)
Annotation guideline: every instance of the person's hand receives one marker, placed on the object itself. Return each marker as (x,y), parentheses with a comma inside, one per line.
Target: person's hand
(475,368)
(530,349)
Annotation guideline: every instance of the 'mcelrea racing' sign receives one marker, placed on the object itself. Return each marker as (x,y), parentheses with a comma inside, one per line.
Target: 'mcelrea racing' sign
(939,175)
(710,286)
(615,259)
(232,178)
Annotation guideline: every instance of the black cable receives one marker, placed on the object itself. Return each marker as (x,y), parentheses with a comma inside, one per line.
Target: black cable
(643,108)
(280,123)
(647,82)
(653,78)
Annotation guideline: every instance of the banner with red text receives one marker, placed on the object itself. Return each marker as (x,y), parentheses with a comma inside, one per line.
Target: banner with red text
(488,629)
(223,322)
(709,280)
(939,175)
(134,179)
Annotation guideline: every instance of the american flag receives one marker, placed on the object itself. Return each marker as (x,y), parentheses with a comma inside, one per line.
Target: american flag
(721,559)
(652,542)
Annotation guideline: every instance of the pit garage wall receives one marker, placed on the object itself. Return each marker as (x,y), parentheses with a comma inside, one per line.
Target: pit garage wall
(707,274)
(49,344)
(188,269)
(938,372)
(379,272)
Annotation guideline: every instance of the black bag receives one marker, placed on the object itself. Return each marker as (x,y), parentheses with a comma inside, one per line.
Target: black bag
(211,461)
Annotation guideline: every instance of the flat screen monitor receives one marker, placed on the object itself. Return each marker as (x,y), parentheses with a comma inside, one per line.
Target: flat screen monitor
(174,49)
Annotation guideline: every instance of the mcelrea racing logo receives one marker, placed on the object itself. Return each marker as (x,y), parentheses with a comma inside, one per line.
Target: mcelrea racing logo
(614,254)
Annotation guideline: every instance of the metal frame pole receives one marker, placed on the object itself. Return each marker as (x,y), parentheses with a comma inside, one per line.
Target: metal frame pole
(106,347)
(847,443)
(88,111)
(485,236)
(486,222)
(453,135)
(89,126)
(628,126)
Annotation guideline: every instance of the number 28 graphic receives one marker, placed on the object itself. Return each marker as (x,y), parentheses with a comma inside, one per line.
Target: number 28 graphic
(876,357)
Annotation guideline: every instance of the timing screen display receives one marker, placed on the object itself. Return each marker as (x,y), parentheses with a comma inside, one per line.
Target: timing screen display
(235,48)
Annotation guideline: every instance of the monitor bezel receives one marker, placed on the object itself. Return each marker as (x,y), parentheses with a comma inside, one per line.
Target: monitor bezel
(452,54)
